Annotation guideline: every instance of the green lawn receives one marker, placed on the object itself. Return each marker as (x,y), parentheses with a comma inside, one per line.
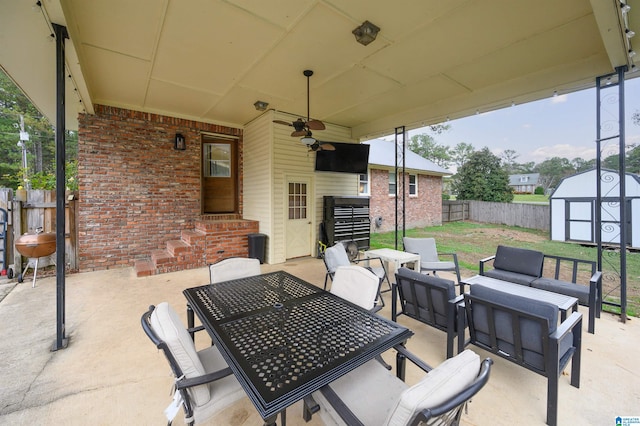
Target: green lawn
(475,241)
(530,198)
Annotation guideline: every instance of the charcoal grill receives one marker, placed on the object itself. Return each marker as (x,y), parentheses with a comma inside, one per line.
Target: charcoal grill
(35,245)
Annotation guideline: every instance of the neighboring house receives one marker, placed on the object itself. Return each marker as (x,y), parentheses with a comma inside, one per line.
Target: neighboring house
(423,188)
(524,184)
(573,208)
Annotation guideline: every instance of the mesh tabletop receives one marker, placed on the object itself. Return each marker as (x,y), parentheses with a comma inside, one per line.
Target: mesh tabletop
(287,342)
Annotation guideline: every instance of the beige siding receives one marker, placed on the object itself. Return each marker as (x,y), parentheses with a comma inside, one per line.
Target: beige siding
(258,176)
(292,158)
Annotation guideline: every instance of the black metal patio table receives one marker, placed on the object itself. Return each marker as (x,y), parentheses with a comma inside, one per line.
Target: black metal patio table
(285,338)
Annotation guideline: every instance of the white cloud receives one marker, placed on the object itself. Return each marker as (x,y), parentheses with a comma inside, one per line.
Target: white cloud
(561,150)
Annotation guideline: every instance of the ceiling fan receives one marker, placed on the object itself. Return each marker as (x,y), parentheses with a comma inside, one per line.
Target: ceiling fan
(316,145)
(303,128)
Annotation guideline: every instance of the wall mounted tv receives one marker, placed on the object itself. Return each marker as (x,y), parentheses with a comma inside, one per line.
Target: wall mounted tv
(347,158)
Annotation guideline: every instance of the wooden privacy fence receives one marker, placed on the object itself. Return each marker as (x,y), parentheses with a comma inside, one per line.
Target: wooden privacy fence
(454,210)
(532,216)
(34,209)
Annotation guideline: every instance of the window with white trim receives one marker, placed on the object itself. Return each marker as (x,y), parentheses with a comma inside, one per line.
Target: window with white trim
(363,184)
(413,185)
(392,183)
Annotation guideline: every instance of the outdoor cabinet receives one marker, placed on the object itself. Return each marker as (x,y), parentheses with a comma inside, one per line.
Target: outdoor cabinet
(347,219)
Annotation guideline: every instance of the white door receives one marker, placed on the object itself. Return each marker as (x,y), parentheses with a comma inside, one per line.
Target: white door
(298,217)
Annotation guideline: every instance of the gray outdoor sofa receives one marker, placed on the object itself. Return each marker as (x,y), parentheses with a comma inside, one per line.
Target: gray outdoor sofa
(526,267)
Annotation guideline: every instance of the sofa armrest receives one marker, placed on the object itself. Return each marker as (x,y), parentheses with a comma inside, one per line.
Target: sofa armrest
(403,351)
(485,260)
(574,320)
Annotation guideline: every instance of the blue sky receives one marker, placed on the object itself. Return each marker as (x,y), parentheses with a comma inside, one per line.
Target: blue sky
(561,126)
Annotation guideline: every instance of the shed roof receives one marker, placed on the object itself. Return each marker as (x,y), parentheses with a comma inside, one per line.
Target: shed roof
(583,185)
(382,153)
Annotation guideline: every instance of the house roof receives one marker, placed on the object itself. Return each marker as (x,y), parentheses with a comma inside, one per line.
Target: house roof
(382,153)
(524,179)
(210,61)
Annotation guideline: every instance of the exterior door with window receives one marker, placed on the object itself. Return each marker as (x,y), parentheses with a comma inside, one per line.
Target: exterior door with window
(219,175)
(298,214)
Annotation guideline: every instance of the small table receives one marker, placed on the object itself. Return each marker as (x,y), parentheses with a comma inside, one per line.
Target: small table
(397,257)
(284,338)
(564,303)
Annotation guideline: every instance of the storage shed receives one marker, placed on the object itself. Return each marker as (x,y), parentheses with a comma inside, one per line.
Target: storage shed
(573,207)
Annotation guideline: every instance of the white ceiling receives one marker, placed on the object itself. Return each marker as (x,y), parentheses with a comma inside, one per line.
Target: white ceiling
(210,60)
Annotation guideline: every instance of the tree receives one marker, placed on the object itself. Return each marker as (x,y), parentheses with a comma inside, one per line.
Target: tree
(580,165)
(460,153)
(508,157)
(482,178)
(40,147)
(425,146)
(552,171)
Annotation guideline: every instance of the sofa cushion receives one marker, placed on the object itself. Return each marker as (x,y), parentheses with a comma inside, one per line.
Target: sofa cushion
(531,331)
(439,385)
(416,304)
(581,292)
(522,261)
(512,277)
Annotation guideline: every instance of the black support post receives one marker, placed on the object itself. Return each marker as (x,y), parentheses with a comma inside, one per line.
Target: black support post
(61,340)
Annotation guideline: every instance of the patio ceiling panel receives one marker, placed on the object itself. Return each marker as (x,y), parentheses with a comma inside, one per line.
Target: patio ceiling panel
(129,28)
(210,45)
(164,97)
(320,41)
(127,81)
(532,55)
(431,90)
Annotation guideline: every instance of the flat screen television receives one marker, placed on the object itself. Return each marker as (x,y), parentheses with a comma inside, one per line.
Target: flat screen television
(347,158)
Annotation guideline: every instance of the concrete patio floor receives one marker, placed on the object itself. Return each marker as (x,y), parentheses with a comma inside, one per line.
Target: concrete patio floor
(111,374)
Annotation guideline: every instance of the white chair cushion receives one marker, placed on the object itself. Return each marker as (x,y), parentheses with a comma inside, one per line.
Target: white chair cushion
(224,392)
(357,285)
(336,256)
(233,268)
(439,385)
(167,325)
(370,391)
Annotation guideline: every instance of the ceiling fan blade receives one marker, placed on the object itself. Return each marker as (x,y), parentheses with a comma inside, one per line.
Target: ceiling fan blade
(315,125)
(299,133)
(286,123)
(327,146)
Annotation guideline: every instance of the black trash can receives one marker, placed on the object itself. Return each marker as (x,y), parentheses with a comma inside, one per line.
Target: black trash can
(257,246)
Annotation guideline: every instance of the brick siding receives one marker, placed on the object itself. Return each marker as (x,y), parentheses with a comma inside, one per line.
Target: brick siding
(135,191)
(423,210)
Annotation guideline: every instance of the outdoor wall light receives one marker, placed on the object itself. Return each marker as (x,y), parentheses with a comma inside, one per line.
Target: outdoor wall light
(366,33)
(179,142)
(261,105)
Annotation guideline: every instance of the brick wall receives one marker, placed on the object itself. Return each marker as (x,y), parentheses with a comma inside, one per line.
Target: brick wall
(423,210)
(135,191)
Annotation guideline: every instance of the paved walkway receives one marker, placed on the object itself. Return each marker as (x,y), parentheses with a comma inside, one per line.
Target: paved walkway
(112,375)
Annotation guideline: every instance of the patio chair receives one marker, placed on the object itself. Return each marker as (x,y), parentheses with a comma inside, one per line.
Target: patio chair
(233,268)
(336,256)
(204,383)
(430,300)
(438,399)
(358,285)
(225,270)
(526,332)
(429,257)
